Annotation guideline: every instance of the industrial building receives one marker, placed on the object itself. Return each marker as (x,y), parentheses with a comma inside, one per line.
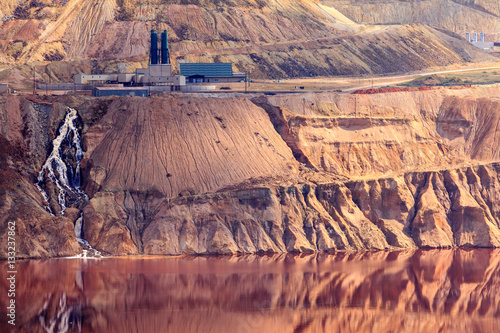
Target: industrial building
(210,72)
(4,88)
(154,74)
(156,78)
(123,91)
(481,43)
(158,72)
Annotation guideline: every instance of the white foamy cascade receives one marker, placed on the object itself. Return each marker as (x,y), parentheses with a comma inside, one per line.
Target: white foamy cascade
(65,176)
(66,179)
(78,227)
(88,251)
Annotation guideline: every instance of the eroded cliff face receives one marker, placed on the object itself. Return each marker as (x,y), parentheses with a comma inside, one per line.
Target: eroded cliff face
(369,135)
(38,234)
(432,209)
(389,207)
(412,291)
(283,173)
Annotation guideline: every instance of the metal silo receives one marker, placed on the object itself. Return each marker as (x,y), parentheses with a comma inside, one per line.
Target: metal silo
(154,47)
(165,56)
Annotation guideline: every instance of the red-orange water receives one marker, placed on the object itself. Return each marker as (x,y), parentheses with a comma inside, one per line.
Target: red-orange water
(408,291)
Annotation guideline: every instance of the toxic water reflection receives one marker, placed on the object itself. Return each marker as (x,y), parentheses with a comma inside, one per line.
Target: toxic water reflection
(409,291)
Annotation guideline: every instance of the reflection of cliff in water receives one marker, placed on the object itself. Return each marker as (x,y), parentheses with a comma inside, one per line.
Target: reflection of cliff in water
(409,291)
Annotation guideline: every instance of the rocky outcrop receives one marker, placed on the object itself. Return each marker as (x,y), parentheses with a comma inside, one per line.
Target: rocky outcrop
(369,135)
(414,291)
(37,233)
(431,209)
(400,210)
(286,173)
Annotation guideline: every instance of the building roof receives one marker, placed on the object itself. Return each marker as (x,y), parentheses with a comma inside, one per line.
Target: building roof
(121,88)
(207,69)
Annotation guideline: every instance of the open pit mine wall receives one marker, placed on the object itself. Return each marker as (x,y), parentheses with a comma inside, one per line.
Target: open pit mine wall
(265,202)
(449,208)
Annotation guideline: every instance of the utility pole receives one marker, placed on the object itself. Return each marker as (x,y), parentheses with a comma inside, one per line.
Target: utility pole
(355,105)
(34,81)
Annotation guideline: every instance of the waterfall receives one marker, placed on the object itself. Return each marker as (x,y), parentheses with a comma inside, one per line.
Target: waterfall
(65,176)
(62,167)
(88,250)
(78,226)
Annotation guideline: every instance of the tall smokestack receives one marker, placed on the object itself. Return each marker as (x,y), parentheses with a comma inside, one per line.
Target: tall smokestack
(467,36)
(481,36)
(474,37)
(154,48)
(165,56)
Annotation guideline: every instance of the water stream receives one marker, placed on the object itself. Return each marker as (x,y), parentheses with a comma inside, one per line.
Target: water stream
(56,168)
(62,168)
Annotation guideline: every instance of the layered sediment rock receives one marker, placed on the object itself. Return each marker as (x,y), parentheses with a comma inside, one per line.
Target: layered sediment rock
(284,173)
(430,209)
(370,135)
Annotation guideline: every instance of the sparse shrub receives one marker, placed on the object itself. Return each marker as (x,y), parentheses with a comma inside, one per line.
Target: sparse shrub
(21,12)
(53,56)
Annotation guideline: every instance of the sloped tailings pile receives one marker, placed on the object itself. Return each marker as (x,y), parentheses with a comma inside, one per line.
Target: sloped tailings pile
(212,175)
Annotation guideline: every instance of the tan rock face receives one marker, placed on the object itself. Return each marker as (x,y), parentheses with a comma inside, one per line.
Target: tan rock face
(433,209)
(284,173)
(417,209)
(37,233)
(183,146)
(361,135)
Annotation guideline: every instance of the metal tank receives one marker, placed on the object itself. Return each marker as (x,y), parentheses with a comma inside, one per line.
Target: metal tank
(154,48)
(165,56)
